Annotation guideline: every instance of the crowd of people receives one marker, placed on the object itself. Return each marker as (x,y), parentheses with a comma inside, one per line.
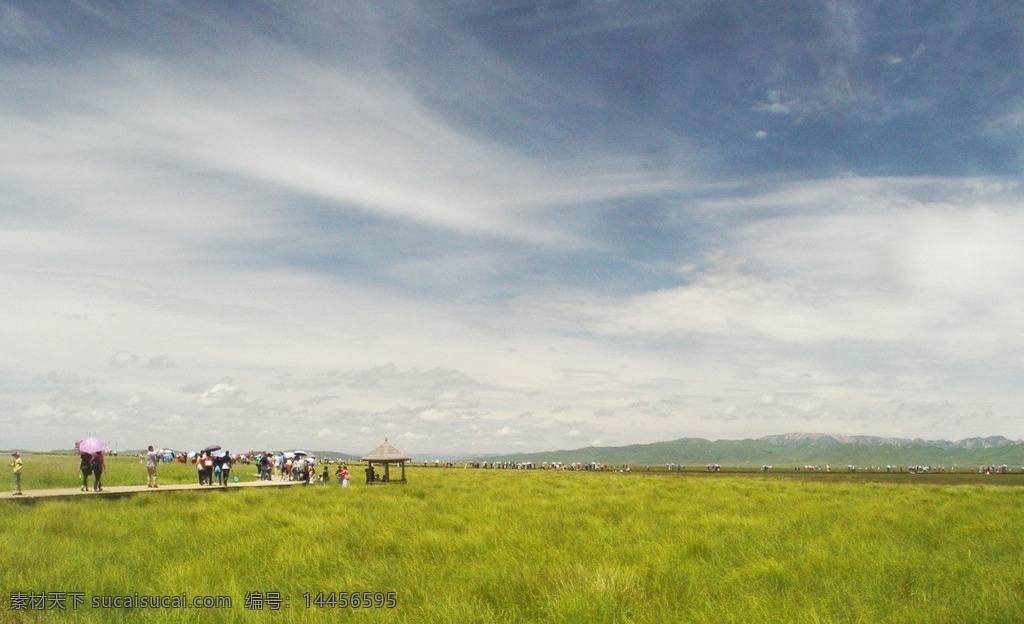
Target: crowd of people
(213,467)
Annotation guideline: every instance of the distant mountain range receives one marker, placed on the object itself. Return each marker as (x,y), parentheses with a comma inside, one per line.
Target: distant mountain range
(828,439)
(795,449)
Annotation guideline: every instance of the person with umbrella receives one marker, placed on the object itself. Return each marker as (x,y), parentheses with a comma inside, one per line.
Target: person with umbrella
(91,454)
(208,463)
(85,466)
(97,464)
(208,467)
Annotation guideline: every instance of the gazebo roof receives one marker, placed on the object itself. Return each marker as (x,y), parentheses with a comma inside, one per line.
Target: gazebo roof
(386,453)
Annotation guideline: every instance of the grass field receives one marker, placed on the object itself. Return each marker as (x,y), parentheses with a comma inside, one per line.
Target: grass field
(458,545)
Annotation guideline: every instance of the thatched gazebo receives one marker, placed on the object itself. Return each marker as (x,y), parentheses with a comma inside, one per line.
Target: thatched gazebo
(385,455)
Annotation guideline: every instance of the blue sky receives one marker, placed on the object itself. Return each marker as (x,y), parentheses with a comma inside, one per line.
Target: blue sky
(493,227)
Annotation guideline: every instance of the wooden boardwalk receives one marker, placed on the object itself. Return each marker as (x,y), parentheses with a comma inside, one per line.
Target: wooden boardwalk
(122,490)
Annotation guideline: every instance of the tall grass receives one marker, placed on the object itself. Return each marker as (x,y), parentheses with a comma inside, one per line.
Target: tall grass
(494,546)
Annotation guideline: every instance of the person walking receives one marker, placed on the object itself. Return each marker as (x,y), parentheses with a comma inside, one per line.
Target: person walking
(97,464)
(17,467)
(225,467)
(85,467)
(152,459)
(208,468)
(264,467)
(344,477)
(199,469)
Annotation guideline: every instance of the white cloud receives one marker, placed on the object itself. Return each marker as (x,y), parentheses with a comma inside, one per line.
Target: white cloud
(433,415)
(939,277)
(220,394)
(124,358)
(354,136)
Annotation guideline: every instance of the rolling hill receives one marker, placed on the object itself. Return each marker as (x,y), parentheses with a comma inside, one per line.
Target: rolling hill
(794,449)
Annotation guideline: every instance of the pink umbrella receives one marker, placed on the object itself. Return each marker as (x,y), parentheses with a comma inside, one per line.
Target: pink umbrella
(90,445)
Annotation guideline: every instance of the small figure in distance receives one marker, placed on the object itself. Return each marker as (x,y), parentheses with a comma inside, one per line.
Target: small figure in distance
(152,459)
(17,466)
(225,467)
(85,466)
(97,465)
(199,469)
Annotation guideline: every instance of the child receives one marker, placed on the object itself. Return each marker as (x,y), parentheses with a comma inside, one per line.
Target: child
(17,466)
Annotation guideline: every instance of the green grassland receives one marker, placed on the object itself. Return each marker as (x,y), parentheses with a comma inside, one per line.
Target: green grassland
(463,545)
